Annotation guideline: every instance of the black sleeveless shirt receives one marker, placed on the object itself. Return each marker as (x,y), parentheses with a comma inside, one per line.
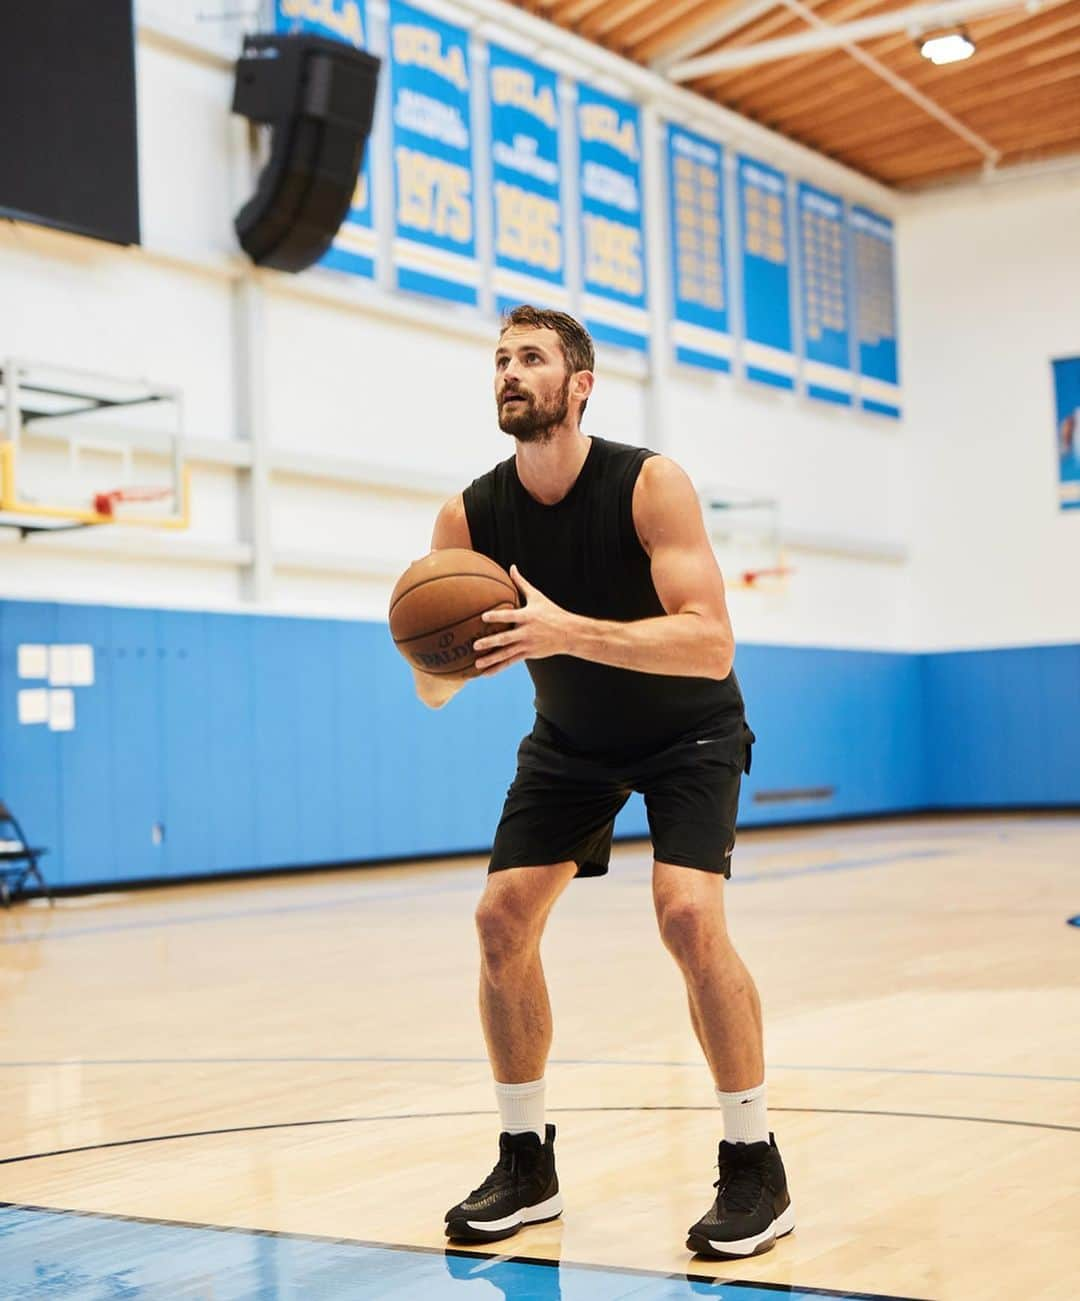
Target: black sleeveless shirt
(583,553)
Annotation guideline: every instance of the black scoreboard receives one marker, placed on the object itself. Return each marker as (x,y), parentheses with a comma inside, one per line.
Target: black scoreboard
(68,150)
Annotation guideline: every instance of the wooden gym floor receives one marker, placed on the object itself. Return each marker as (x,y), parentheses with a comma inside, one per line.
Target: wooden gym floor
(302,1056)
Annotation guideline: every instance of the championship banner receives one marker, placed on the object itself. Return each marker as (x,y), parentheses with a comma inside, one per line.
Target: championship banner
(765,260)
(614,303)
(434,229)
(354,246)
(824,292)
(875,312)
(1067,413)
(530,251)
(700,329)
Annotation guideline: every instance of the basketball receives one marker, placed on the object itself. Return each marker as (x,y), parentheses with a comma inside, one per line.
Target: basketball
(436,605)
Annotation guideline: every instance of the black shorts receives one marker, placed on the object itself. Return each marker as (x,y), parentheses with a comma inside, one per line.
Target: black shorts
(561,806)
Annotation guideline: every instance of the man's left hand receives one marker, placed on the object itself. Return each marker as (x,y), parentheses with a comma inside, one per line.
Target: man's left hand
(537,629)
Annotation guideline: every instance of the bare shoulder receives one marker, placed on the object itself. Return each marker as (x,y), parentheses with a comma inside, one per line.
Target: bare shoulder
(451,526)
(665,501)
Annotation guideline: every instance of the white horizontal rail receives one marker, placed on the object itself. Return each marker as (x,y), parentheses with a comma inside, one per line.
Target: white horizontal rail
(918,18)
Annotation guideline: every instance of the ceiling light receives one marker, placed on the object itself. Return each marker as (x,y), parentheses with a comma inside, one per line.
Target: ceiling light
(947,49)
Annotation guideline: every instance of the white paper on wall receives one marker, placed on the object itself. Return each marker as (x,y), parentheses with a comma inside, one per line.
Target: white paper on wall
(62,711)
(82,666)
(33,661)
(60,666)
(34,705)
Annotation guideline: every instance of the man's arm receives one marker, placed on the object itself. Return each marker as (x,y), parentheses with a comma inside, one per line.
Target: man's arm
(451,530)
(693,639)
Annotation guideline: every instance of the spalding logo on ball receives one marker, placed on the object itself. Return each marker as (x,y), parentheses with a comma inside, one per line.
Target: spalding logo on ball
(436,605)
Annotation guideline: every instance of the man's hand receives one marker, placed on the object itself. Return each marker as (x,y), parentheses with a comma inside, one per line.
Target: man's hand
(536,630)
(436,689)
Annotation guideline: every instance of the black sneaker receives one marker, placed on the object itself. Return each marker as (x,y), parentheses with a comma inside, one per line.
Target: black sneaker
(522,1189)
(752,1207)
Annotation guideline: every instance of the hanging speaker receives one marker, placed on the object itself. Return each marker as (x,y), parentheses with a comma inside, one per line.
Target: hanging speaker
(318,98)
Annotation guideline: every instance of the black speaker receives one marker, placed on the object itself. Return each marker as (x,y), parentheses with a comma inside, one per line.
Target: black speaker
(318,98)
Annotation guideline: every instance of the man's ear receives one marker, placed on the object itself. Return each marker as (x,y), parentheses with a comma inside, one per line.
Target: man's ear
(582,384)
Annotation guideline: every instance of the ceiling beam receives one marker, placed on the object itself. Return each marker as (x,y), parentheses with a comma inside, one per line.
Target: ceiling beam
(924,17)
(700,38)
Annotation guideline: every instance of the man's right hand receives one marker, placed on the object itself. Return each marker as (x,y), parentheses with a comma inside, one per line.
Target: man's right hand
(436,689)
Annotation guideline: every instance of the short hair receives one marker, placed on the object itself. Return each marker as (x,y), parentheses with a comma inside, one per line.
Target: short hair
(577,344)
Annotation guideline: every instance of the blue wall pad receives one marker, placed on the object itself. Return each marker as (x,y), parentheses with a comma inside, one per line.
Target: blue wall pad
(211,743)
(47,1254)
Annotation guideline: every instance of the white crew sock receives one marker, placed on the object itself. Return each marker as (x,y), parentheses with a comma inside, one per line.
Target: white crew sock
(746,1115)
(521,1107)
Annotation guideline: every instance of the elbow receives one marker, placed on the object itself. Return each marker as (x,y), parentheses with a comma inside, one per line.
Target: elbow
(723,656)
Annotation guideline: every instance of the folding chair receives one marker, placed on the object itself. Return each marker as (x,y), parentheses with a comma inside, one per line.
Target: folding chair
(18,862)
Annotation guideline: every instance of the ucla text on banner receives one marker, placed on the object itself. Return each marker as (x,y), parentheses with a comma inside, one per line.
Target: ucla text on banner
(824,290)
(1067,427)
(354,245)
(700,330)
(434,226)
(614,303)
(765,259)
(530,260)
(875,312)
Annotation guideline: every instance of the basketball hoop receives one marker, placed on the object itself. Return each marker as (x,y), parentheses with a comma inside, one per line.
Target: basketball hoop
(751,577)
(105,503)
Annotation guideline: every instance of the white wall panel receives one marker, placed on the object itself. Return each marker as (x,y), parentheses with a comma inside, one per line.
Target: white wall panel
(990,292)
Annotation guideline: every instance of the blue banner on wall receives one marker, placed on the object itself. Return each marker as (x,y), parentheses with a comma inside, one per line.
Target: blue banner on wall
(765,259)
(823,267)
(354,246)
(614,302)
(527,220)
(875,312)
(434,226)
(1067,424)
(700,329)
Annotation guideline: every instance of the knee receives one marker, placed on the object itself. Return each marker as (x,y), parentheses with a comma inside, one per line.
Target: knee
(690,930)
(507,937)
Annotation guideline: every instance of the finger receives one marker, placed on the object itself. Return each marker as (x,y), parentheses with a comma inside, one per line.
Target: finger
(482,644)
(503,615)
(497,656)
(521,581)
(498,668)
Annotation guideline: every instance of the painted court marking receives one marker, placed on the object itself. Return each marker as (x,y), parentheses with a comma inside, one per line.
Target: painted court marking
(48,1253)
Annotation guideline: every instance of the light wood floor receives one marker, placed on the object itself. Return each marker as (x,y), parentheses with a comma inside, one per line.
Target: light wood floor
(316,1039)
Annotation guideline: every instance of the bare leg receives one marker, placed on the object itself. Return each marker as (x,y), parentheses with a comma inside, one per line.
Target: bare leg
(514,1006)
(724,1007)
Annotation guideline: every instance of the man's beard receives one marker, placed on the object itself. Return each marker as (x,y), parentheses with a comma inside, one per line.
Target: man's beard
(533,421)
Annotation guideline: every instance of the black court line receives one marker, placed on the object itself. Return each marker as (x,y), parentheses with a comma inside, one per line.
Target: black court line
(461,1115)
(546,1261)
(383,1060)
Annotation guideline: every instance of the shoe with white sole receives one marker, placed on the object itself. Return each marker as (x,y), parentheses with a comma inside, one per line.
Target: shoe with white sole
(522,1189)
(752,1207)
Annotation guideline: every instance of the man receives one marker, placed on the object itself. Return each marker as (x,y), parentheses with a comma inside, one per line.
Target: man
(625,632)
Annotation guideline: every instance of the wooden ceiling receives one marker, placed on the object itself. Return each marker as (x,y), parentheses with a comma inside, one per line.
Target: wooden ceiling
(1016,100)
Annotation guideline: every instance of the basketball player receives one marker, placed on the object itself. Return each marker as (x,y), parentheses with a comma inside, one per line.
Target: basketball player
(625,631)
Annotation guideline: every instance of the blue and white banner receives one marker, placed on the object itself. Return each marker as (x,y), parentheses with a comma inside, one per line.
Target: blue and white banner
(1067,425)
(700,328)
(614,302)
(765,259)
(354,246)
(527,218)
(823,267)
(875,312)
(434,225)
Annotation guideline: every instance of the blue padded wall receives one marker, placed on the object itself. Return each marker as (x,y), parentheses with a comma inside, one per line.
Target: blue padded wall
(214,743)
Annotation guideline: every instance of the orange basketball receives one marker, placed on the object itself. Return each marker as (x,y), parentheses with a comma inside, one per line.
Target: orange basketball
(436,605)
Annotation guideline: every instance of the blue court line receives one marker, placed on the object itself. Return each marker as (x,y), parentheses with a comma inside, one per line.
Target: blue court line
(50,1253)
(555,1061)
(366,899)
